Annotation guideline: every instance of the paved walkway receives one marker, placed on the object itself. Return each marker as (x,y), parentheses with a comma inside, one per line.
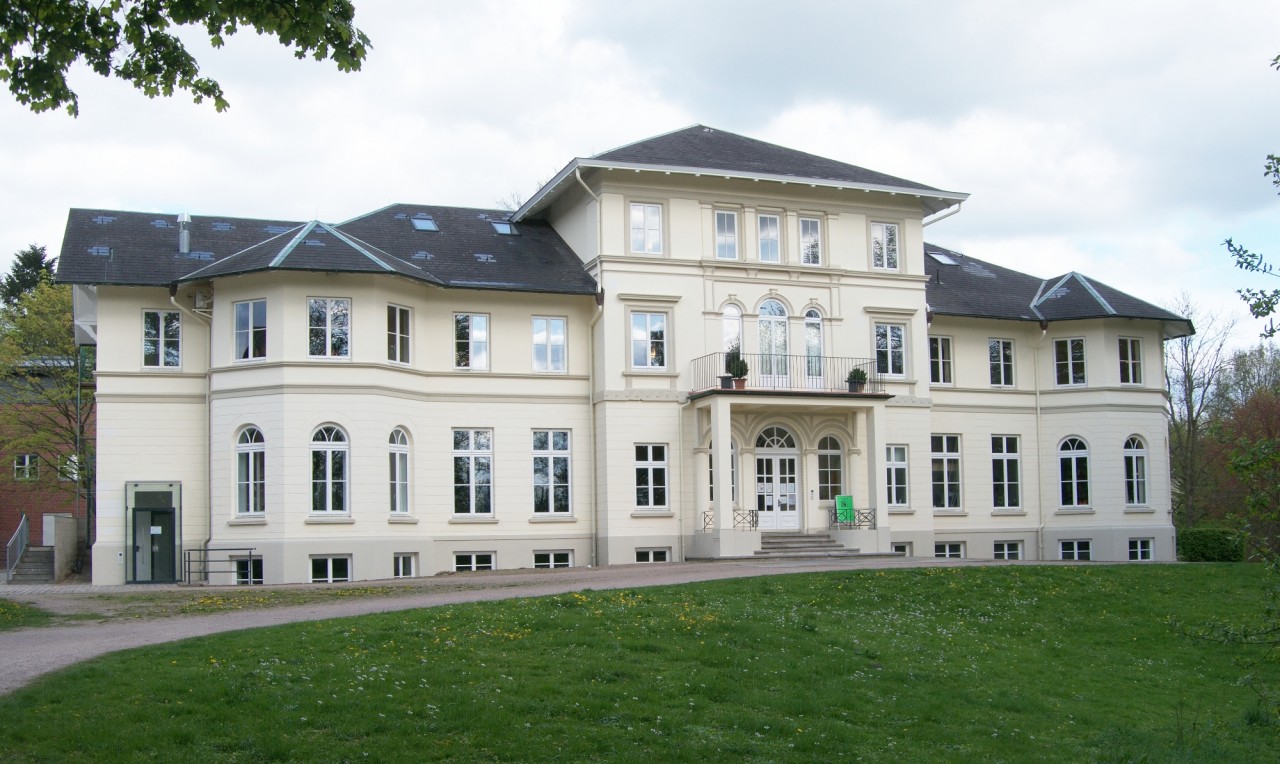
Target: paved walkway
(26,654)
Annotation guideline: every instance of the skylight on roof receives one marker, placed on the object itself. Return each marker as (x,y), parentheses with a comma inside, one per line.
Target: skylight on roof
(503,227)
(944,259)
(424,222)
(485,257)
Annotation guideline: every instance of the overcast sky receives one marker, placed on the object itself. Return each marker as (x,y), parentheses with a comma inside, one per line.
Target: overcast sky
(1124,140)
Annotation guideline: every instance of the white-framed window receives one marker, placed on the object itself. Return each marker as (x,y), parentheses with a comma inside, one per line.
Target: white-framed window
(830,469)
(161,339)
(884,246)
(1000,357)
(551,472)
(549,344)
(901,547)
(399,325)
(470,341)
(770,239)
(329,452)
(940,360)
(330,570)
(651,475)
(726,235)
(653,554)
(1130,361)
(772,327)
(813,363)
(473,472)
(1075,549)
(1073,472)
(467,561)
(251,330)
(1006,472)
(1068,361)
(560,559)
(1008,550)
(248,571)
(69,468)
(950,549)
(26,467)
(895,475)
(329,327)
(810,241)
(251,469)
(945,453)
(648,340)
(733,470)
(731,328)
(1135,471)
(646,228)
(404,565)
(398,470)
(1140,550)
(891,349)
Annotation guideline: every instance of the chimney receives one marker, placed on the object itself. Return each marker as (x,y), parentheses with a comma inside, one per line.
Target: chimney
(184,234)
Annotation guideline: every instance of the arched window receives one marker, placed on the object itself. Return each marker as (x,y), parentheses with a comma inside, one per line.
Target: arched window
(1073,472)
(329,470)
(1135,471)
(732,323)
(251,462)
(813,344)
(775,437)
(398,461)
(830,469)
(733,469)
(773,339)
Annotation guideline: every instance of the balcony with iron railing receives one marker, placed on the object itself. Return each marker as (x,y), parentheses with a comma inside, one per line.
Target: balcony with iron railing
(785,373)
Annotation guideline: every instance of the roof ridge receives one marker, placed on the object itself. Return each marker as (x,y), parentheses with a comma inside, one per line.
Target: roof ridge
(1088,285)
(646,140)
(288,248)
(236,254)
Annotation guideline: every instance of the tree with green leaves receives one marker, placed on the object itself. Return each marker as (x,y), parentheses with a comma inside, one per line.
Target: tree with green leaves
(1262,302)
(136,40)
(44,408)
(31,267)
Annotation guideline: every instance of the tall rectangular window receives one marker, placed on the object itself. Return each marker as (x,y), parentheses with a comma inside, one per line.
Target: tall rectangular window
(551,471)
(251,468)
(473,472)
(770,239)
(884,246)
(1068,361)
(1130,361)
(1005,472)
(830,469)
(399,321)
(470,341)
(251,330)
(329,324)
(726,235)
(1000,356)
(891,349)
(940,360)
(548,344)
(945,451)
(249,571)
(646,228)
(895,475)
(651,476)
(649,340)
(26,467)
(811,241)
(161,339)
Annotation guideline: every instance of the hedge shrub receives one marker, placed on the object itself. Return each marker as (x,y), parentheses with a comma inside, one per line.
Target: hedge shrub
(1210,545)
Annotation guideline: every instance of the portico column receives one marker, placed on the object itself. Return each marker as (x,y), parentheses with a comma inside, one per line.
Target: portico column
(722,461)
(876,465)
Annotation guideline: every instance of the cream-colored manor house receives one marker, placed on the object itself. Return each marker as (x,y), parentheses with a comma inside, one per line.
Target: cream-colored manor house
(695,346)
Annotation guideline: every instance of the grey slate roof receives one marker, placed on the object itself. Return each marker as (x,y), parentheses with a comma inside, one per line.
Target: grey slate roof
(135,248)
(977,289)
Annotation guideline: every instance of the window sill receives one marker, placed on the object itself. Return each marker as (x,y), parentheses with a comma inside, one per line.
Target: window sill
(472,520)
(550,518)
(333,358)
(247,361)
(469,370)
(402,520)
(320,520)
(653,513)
(247,520)
(1074,511)
(1008,513)
(950,513)
(901,511)
(634,372)
(1139,511)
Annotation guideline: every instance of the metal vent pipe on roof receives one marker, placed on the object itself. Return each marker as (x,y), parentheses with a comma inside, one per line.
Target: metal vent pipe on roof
(184,234)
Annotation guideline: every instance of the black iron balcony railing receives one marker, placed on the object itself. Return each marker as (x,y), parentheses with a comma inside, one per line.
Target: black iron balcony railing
(795,373)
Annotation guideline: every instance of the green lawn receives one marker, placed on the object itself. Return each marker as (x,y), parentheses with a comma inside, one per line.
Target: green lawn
(940,664)
(15,615)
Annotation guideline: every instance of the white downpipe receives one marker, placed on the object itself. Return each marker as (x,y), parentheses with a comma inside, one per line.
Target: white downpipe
(1039,451)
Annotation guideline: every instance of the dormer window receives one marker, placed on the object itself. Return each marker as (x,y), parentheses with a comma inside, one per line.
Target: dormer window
(424,222)
(503,227)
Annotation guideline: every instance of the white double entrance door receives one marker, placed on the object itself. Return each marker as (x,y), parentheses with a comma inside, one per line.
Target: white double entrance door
(776,492)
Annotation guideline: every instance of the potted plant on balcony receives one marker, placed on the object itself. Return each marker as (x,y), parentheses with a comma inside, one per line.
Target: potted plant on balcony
(857,379)
(737,368)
